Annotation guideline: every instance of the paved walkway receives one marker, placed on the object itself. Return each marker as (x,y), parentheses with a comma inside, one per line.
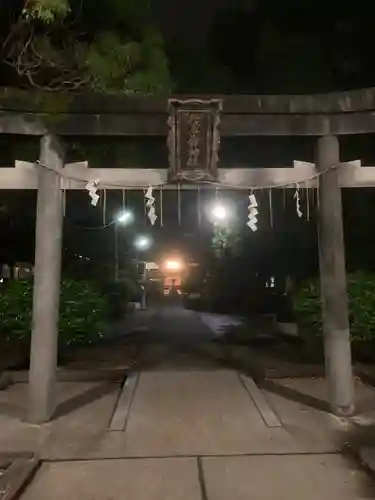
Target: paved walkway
(187,429)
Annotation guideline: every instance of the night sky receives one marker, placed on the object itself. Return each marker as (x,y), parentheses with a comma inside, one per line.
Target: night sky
(188,20)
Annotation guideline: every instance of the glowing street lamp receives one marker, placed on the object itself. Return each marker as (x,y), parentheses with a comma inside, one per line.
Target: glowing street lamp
(220,213)
(173,265)
(125,217)
(142,243)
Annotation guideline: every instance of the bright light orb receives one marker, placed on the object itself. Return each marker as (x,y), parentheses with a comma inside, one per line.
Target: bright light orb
(219,212)
(173,265)
(124,217)
(142,243)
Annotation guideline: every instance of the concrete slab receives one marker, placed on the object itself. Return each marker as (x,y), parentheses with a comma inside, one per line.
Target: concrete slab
(16,436)
(295,477)
(77,403)
(168,357)
(84,411)
(317,388)
(367,457)
(96,374)
(316,430)
(302,406)
(162,479)
(197,413)
(17,476)
(174,413)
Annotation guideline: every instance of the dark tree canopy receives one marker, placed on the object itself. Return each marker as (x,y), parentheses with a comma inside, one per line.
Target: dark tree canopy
(78,45)
(257,46)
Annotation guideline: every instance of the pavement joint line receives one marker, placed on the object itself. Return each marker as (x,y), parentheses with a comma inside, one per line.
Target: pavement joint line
(200,456)
(201,479)
(120,389)
(137,377)
(268,415)
(124,402)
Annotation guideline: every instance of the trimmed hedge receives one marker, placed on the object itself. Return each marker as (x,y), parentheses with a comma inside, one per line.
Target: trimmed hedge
(83,312)
(361,294)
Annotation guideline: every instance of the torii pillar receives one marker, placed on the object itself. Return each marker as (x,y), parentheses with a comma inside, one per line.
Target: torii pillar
(333,285)
(48,243)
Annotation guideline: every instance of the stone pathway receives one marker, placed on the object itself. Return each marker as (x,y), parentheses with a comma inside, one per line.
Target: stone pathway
(199,435)
(220,323)
(197,413)
(206,433)
(236,478)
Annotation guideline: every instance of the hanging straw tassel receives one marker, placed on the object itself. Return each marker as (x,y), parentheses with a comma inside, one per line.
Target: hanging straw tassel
(298,201)
(64,202)
(199,206)
(161,206)
(123,199)
(104,207)
(179,203)
(271,208)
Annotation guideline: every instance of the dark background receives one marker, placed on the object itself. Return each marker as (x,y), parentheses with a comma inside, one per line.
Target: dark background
(231,47)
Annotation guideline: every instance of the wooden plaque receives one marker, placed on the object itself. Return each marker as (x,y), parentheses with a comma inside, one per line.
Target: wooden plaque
(193,139)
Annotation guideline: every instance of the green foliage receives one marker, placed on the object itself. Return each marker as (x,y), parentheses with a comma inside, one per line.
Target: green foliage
(46,11)
(225,236)
(70,45)
(361,293)
(307,306)
(83,311)
(16,309)
(129,67)
(362,305)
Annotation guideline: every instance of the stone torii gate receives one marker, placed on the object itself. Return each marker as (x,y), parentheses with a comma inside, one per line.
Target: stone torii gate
(325,116)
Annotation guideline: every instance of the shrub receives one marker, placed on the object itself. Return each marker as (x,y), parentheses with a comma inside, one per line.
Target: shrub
(83,311)
(117,293)
(307,307)
(361,294)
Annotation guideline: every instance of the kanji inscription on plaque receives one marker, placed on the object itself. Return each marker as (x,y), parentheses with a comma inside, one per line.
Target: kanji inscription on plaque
(193,139)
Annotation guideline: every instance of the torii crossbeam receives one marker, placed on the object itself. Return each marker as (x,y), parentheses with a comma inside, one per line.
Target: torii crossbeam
(25,175)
